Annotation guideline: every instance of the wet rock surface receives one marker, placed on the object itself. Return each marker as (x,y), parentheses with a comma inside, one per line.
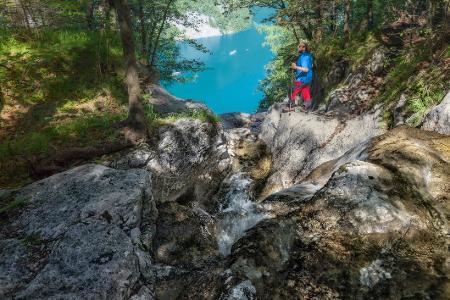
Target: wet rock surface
(184,236)
(376,229)
(204,180)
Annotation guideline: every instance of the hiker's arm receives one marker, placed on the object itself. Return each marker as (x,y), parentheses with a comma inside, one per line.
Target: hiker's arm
(295,67)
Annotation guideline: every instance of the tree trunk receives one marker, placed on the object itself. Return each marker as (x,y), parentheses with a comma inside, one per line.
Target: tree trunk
(369,14)
(42,16)
(25,15)
(307,31)
(143,29)
(319,14)
(136,116)
(346,22)
(297,38)
(163,22)
(333,18)
(90,14)
(294,31)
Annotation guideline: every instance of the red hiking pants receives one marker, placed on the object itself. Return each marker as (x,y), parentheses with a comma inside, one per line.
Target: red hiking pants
(304,89)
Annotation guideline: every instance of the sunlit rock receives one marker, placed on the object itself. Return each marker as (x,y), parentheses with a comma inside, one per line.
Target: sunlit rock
(438,119)
(300,142)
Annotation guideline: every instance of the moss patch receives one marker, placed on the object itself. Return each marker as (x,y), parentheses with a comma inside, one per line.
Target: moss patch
(9,206)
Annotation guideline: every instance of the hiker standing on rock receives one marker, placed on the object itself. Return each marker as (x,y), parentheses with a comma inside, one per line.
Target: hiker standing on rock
(303,75)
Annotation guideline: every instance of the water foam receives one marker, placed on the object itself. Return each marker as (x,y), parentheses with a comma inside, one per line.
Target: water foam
(238,213)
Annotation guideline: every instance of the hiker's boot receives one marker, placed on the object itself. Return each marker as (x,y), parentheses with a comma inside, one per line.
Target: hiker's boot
(308,105)
(289,107)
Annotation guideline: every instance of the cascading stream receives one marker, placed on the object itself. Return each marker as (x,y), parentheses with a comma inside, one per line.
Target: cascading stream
(238,213)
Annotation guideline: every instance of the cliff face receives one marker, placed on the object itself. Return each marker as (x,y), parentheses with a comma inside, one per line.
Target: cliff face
(267,206)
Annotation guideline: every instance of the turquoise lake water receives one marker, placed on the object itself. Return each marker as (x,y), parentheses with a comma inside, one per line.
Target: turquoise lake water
(235,66)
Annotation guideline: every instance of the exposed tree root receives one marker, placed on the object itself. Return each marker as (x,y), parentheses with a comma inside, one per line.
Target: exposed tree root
(65,159)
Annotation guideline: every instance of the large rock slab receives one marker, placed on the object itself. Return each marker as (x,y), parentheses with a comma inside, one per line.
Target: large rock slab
(438,119)
(79,234)
(300,142)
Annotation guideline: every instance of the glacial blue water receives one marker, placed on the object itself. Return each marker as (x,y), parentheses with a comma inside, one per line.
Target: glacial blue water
(235,65)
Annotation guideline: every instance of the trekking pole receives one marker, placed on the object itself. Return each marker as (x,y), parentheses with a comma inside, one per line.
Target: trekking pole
(291,89)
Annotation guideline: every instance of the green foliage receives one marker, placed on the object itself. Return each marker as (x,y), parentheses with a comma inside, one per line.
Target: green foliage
(425,94)
(226,20)
(360,49)
(43,71)
(357,51)
(169,61)
(55,65)
(32,240)
(233,21)
(402,69)
(15,152)
(155,120)
(422,82)
(276,84)
(46,76)
(61,13)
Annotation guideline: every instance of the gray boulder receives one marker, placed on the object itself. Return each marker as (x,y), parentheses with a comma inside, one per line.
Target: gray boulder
(184,236)
(400,111)
(339,101)
(300,142)
(79,235)
(188,159)
(337,72)
(376,63)
(164,103)
(438,119)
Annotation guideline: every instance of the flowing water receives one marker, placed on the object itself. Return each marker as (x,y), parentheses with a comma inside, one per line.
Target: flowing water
(238,214)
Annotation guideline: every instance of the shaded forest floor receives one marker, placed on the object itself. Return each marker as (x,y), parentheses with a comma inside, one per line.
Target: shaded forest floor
(59,89)
(63,97)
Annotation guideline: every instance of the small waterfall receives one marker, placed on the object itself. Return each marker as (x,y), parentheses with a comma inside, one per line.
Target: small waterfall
(237,214)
